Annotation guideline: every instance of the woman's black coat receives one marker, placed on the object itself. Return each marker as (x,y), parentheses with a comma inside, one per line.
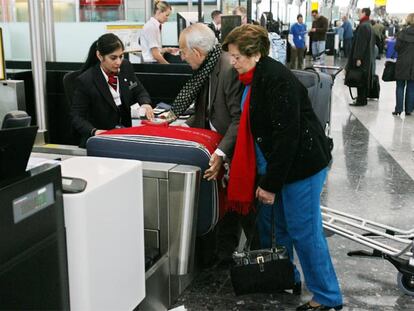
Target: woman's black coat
(93,106)
(285,126)
(404,69)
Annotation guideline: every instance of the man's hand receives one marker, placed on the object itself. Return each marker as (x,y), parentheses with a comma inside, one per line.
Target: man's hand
(264,196)
(97,132)
(358,63)
(215,164)
(149,112)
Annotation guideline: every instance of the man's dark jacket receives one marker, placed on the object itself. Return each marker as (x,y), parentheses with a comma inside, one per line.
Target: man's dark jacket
(285,126)
(321,25)
(363,48)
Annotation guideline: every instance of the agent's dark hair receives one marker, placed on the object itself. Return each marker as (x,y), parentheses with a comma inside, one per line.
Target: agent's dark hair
(161,6)
(249,39)
(314,11)
(106,44)
(299,16)
(367,11)
(215,13)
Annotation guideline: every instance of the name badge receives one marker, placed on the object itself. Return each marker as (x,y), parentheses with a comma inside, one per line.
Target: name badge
(132,85)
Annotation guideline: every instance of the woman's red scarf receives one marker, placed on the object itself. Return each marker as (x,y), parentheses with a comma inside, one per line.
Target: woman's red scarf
(243,166)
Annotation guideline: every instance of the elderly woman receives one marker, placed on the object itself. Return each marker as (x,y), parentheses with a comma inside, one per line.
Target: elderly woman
(404,71)
(281,145)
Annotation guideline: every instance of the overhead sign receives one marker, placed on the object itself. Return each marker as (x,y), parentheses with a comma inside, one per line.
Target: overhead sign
(380,2)
(129,35)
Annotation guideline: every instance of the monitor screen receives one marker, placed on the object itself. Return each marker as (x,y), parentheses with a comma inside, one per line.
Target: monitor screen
(228,23)
(185,19)
(15,148)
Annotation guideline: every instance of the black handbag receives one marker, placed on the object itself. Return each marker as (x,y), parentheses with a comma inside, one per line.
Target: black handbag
(262,271)
(354,77)
(388,74)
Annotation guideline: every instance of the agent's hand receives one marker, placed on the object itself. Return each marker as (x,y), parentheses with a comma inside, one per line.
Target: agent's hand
(264,196)
(358,63)
(215,164)
(149,112)
(173,51)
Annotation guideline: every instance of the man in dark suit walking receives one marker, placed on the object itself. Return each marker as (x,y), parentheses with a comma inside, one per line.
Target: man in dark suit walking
(106,90)
(363,55)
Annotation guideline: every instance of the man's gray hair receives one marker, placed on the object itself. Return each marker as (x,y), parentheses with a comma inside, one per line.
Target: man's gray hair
(199,36)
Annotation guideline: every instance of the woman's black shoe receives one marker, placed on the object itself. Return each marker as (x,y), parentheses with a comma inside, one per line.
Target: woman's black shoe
(307,306)
(408,113)
(396,113)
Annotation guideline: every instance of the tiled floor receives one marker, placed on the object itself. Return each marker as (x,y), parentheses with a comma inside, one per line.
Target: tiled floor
(371,177)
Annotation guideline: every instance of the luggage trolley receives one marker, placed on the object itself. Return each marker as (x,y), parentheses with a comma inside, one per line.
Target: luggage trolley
(392,244)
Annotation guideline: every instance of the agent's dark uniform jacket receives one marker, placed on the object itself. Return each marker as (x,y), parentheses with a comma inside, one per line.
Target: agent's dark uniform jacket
(93,104)
(285,127)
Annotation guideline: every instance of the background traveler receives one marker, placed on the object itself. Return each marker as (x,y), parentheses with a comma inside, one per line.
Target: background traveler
(348,34)
(404,68)
(318,35)
(363,55)
(298,43)
(215,24)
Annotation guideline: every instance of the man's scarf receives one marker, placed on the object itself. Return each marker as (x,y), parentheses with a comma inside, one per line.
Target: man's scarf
(192,88)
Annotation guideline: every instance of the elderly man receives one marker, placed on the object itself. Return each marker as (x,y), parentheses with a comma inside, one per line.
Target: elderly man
(214,88)
(216,91)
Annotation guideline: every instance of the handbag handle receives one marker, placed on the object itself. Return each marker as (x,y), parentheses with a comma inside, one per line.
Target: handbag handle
(248,243)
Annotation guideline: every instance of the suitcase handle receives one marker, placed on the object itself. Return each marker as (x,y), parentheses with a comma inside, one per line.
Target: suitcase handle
(313,70)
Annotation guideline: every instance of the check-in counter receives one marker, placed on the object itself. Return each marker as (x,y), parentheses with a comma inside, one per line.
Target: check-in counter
(170,211)
(170,196)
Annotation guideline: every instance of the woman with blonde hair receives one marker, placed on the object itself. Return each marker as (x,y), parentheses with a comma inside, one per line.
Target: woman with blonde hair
(404,69)
(150,40)
(280,159)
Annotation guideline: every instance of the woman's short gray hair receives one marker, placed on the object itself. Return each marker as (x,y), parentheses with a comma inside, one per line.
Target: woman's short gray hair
(199,36)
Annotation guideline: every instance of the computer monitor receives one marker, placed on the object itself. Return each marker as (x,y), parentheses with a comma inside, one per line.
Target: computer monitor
(15,148)
(228,23)
(16,119)
(185,19)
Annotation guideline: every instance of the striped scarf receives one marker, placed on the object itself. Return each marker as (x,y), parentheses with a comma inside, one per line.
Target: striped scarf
(192,88)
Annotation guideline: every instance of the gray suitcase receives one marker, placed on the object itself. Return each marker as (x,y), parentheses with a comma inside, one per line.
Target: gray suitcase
(319,86)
